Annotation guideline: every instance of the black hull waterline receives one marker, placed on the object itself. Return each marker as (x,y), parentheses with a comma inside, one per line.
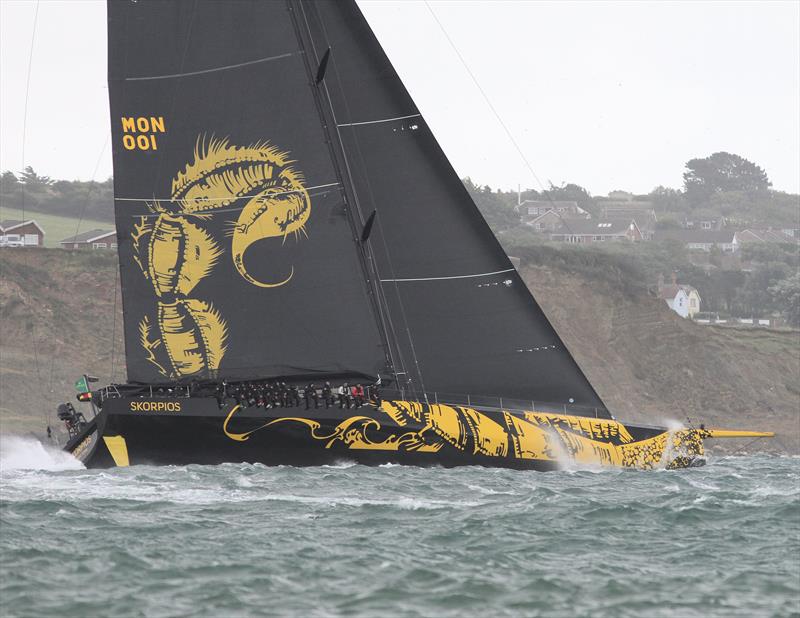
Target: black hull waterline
(197,430)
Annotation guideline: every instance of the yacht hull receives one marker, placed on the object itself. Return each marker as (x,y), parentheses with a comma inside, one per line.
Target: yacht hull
(197,430)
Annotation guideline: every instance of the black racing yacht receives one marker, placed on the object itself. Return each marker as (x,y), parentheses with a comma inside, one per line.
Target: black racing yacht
(304,277)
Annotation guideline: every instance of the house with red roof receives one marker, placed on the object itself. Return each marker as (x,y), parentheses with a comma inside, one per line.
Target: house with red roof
(18,233)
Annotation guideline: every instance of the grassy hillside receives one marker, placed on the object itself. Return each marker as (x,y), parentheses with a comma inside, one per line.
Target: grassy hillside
(60,318)
(56,227)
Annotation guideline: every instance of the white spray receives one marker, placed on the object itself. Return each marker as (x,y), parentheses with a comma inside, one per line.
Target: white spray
(24,453)
(668,454)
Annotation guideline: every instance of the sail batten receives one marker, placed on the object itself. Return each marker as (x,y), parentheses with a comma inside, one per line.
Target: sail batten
(365,122)
(470,276)
(220,199)
(214,69)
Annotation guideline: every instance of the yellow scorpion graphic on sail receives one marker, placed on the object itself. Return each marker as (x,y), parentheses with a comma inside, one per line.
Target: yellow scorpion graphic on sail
(175,252)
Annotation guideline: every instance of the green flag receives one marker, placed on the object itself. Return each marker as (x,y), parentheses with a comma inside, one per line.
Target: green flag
(81,385)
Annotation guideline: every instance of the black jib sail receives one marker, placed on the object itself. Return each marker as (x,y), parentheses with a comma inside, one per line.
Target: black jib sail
(464,321)
(252,143)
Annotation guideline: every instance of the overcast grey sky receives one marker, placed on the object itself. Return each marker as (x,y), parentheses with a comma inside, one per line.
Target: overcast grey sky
(611,95)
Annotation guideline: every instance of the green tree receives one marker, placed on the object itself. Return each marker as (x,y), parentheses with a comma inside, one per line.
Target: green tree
(570,192)
(495,206)
(755,296)
(722,171)
(665,199)
(786,297)
(76,198)
(32,180)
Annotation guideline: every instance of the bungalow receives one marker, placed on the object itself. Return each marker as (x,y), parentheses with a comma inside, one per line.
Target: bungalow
(16,233)
(771,236)
(549,221)
(588,230)
(705,223)
(93,239)
(530,209)
(642,212)
(702,240)
(682,299)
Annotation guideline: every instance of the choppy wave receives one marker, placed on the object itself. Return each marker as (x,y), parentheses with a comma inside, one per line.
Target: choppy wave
(244,540)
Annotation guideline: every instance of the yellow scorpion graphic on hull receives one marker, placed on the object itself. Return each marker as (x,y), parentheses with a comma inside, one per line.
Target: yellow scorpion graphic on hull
(175,253)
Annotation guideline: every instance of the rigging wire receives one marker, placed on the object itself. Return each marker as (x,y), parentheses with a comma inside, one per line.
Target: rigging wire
(45,414)
(92,185)
(89,190)
(489,103)
(741,450)
(114,326)
(27,92)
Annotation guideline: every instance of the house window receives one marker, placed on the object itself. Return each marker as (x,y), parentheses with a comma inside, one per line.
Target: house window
(693,303)
(99,245)
(706,225)
(113,245)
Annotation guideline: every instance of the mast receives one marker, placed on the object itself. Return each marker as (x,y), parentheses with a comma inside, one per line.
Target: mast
(316,74)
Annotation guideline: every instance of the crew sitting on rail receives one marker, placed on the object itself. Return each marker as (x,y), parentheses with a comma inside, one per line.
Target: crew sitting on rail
(311,395)
(279,394)
(327,394)
(294,396)
(358,395)
(344,395)
(375,394)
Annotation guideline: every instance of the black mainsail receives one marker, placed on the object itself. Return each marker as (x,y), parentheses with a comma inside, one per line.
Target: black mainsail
(236,250)
(288,223)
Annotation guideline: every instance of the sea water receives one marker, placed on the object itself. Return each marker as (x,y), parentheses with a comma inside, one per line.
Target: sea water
(248,540)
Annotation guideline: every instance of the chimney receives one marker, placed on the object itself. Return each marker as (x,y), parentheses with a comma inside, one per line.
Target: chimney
(674,277)
(660,281)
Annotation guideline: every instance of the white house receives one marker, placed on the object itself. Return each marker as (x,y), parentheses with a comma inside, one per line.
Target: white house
(682,299)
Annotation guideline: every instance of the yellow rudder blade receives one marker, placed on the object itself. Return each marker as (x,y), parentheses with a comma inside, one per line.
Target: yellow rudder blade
(118,449)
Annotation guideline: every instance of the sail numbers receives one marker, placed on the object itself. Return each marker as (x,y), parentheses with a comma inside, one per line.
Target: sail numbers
(139,132)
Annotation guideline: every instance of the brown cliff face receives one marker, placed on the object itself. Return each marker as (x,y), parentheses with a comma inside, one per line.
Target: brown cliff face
(59,317)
